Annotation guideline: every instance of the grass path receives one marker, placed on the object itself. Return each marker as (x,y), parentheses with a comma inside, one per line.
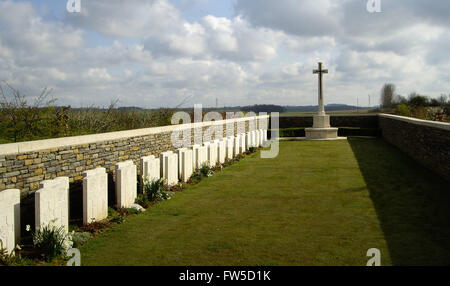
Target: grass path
(312,205)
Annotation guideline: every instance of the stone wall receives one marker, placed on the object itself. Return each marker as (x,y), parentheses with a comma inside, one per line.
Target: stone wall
(24,165)
(361,121)
(427,142)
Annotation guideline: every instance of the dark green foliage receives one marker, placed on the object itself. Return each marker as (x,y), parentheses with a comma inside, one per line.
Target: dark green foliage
(156,190)
(51,241)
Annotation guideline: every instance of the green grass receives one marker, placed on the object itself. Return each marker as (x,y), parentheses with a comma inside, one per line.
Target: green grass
(317,203)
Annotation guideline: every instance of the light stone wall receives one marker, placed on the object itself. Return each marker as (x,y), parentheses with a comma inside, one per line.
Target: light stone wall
(9,219)
(186,165)
(24,165)
(95,195)
(126,184)
(52,203)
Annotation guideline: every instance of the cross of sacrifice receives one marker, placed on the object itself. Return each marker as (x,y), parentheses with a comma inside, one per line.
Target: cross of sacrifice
(320,72)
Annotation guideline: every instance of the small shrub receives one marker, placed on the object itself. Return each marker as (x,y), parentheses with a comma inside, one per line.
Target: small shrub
(206,170)
(111,211)
(403,110)
(52,241)
(156,190)
(80,238)
(252,149)
(117,219)
(132,211)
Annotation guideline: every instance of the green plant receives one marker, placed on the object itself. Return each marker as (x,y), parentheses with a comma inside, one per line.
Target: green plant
(156,190)
(80,238)
(252,149)
(52,241)
(206,170)
(117,219)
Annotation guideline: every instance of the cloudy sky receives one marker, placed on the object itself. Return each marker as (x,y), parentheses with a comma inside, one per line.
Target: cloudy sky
(154,53)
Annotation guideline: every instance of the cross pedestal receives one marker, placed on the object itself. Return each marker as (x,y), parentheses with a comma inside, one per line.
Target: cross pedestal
(321,122)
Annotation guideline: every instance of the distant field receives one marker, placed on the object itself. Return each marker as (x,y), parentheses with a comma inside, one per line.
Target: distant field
(336,112)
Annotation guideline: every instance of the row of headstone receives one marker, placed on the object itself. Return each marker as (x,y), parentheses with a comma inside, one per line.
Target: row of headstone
(52,199)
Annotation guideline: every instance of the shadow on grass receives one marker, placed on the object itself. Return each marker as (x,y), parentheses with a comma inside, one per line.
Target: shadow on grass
(412,203)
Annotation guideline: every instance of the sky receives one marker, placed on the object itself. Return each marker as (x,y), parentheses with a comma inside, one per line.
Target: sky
(162,53)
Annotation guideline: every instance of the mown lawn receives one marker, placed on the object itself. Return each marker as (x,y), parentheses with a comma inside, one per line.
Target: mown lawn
(317,203)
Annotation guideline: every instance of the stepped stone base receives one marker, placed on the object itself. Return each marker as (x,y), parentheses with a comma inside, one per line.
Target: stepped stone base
(321,133)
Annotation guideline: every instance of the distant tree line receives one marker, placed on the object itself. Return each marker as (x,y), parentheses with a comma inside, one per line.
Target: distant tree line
(264,108)
(415,105)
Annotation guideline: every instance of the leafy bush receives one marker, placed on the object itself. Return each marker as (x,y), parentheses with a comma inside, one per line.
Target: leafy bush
(156,190)
(252,149)
(52,241)
(206,170)
(403,110)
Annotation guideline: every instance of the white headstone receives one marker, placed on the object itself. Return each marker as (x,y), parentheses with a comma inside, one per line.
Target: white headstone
(242,147)
(95,195)
(230,148)
(237,141)
(10,218)
(194,156)
(253,138)
(186,165)
(222,150)
(171,169)
(162,158)
(52,203)
(150,169)
(126,184)
(257,138)
(261,137)
(179,152)
(248,140)
(265,136)
(201,156)
(212,153)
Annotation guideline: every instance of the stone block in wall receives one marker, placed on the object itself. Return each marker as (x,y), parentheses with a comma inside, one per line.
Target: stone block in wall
(186,164)
(126,184)
(212,153)
(221,150)
(150,169)
(52,203)
(9,219)
(95,195)
(170,166)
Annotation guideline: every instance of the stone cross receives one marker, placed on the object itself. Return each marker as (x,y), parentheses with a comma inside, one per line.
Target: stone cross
(320,72)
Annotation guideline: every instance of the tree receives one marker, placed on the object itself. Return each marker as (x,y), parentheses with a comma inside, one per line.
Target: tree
(387,95)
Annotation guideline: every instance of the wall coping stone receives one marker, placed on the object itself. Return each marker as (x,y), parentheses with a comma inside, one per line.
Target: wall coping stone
(31,146)
(428,123)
